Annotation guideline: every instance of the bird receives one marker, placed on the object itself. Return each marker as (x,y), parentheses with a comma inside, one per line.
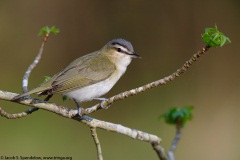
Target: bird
(90,76)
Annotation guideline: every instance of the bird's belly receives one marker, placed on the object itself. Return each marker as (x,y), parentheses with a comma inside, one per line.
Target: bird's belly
(88,93)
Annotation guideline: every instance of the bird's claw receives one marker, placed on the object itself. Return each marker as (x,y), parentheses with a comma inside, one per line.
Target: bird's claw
(104,103)
(84,117)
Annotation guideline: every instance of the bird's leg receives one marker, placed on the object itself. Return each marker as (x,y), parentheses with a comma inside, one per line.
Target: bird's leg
(78,107)
(102,103)
(84,117)
(38,100)
(41,101)
(48,97)
(20,99)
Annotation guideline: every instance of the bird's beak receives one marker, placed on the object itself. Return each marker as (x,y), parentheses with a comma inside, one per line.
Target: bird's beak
(135,55)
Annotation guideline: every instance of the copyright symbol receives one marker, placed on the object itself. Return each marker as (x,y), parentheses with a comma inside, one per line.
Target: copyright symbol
(2,157)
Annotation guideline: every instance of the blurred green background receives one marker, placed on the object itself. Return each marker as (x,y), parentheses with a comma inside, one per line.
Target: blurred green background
(166,34)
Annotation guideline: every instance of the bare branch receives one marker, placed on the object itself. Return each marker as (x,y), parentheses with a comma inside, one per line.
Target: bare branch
(52,107)
(174,143)
(69,113)
(29,70)
(33,65)
(132,133)
(159,150)
(12,116)
(148,86)
(97,143)
(72,114)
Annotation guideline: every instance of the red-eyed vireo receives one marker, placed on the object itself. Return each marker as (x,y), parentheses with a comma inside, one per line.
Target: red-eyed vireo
(90,76)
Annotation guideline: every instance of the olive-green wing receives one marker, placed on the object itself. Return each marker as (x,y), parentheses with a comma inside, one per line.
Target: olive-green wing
(82,73)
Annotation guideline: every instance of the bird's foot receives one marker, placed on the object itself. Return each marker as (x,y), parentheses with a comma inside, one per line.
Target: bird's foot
(80,114)
(16,99)
(84,117)
(104,103)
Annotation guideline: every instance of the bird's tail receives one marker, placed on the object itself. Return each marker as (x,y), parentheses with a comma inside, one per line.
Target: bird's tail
(35,90)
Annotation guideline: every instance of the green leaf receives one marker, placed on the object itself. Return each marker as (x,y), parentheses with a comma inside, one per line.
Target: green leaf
(214,38)
(43,31)
(54,30)
(48,30)
(178,116)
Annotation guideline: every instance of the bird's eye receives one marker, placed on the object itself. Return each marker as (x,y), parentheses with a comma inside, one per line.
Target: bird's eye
(119,49)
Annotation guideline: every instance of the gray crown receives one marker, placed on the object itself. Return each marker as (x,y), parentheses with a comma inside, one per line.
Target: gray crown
(121,42)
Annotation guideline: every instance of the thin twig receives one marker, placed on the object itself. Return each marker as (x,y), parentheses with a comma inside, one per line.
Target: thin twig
(148,86)
(159,150)
(33,65)
(29,70)
(12,116)
(174,143)
(97,143)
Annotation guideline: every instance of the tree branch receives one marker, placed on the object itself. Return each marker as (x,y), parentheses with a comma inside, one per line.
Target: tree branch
(33,65)
(174,143)
(29,70)
(97,143)
(12,116)
(159,150)
(95,123)
(72,114)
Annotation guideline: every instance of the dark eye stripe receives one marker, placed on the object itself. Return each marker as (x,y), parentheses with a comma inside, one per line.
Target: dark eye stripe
(122,51)
(116,43)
